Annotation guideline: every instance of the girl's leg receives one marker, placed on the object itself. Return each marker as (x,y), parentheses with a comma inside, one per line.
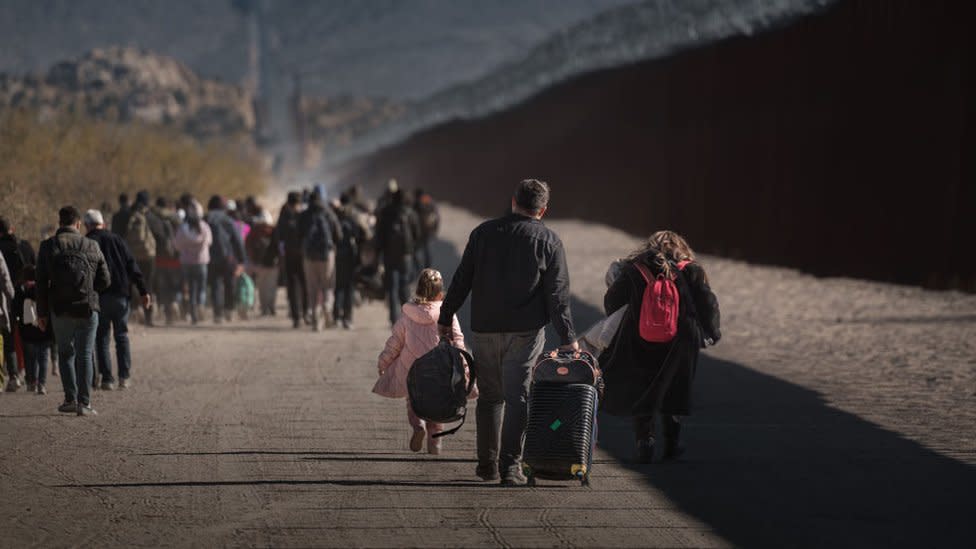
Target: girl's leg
(417,440)
(434,445)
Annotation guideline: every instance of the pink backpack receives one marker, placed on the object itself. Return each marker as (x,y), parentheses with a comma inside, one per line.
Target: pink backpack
(658,322)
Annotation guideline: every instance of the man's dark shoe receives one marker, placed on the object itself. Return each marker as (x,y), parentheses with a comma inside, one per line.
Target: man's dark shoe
(107,386)
(487,472)
(68,408)
(672,431)
(513,477)
(645,450)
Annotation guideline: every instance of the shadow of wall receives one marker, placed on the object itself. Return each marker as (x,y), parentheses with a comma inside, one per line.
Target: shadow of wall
(771,464)
(840,145)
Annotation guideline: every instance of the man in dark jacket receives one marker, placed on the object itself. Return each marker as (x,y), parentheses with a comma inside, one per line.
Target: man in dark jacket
(397,234)
(287,239)
(515,269)
(114,301)
(227,257)
(71,270)
(17,254)
(121,218)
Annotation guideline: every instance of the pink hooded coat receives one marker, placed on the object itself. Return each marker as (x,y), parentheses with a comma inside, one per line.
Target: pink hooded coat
(414,335)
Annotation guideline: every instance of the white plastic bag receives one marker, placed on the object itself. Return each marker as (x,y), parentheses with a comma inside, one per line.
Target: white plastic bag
(30,312)
(599,337)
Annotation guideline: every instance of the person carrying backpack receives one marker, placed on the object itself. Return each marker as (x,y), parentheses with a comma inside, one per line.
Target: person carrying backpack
(414,335)
(672,313)
(227,258)
(164,221)
(321,231)
(71,271)
(397,234)
(347,261)
(430,221)
(141,240)
(287,243)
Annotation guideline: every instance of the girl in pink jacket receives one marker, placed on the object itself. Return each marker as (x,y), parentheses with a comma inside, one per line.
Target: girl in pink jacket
(414,335)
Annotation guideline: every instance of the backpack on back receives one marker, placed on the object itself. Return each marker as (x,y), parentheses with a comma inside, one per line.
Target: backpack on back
(660,306)
(349,245)
(139,236)
(71,280)
(438,387)
(319,241)
(400,242)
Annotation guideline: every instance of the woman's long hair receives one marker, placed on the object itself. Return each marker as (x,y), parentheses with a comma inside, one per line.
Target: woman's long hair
(193,223)
(663,248)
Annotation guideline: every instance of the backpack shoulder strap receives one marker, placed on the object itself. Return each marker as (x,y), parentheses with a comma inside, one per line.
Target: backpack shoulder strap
(644,271)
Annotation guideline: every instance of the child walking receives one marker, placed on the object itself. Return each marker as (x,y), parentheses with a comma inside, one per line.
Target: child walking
(414,335)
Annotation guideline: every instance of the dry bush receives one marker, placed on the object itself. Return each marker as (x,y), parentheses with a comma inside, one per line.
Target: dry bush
(69,160)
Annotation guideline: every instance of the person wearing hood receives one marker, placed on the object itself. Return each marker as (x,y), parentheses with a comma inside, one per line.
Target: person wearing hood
(192,241)
(263,260)
(321,232)
(227,258)
(414,335)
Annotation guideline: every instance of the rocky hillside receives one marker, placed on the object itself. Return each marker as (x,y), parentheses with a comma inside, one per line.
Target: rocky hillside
(127,84)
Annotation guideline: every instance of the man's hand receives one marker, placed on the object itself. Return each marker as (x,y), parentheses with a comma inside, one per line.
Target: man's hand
(42,323)
(146,301)
(238,271)
(446,332)
(572,347)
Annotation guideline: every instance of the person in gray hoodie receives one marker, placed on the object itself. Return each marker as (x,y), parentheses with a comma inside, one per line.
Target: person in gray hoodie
(6,326)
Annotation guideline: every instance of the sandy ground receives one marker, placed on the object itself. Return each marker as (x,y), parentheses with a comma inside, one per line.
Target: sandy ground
(833,413)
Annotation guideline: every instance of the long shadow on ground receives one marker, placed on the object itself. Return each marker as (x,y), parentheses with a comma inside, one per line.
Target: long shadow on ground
(771,464)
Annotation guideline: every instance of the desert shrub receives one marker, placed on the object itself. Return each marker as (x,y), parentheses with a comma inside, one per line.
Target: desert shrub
(45,164)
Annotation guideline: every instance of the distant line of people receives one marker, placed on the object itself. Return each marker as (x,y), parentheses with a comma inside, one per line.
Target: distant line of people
(69,302)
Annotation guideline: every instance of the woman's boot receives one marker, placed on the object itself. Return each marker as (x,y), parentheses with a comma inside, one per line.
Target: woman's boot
(672,435)
(644,435)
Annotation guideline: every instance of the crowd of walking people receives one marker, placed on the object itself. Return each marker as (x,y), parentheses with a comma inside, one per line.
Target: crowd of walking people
(175,261)
(75,296)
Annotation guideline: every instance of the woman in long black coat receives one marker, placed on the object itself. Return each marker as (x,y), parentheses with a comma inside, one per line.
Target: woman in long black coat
(646,379)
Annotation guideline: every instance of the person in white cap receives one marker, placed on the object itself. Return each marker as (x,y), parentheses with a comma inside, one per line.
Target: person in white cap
(114,302)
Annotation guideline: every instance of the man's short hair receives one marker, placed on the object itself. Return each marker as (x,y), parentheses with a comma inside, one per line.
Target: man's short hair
(68,215)
(4,225)
(532,195)
(124,199)
(294,198)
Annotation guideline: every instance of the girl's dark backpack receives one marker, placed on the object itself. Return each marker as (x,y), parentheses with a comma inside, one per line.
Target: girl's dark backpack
(438,387)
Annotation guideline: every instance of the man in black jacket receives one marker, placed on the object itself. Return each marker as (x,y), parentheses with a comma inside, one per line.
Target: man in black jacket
(71,270)
(514,267)
(287,239)
(397,234)
(114,301)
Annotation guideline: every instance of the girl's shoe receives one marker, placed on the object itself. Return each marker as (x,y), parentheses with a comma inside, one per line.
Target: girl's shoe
(41,389)
(645,450)
(417,440)
(434,447)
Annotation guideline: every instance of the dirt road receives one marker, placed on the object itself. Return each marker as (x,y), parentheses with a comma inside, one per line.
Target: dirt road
(834,413)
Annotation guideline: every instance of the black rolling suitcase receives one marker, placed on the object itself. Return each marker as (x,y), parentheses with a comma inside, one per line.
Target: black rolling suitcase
(561,427)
